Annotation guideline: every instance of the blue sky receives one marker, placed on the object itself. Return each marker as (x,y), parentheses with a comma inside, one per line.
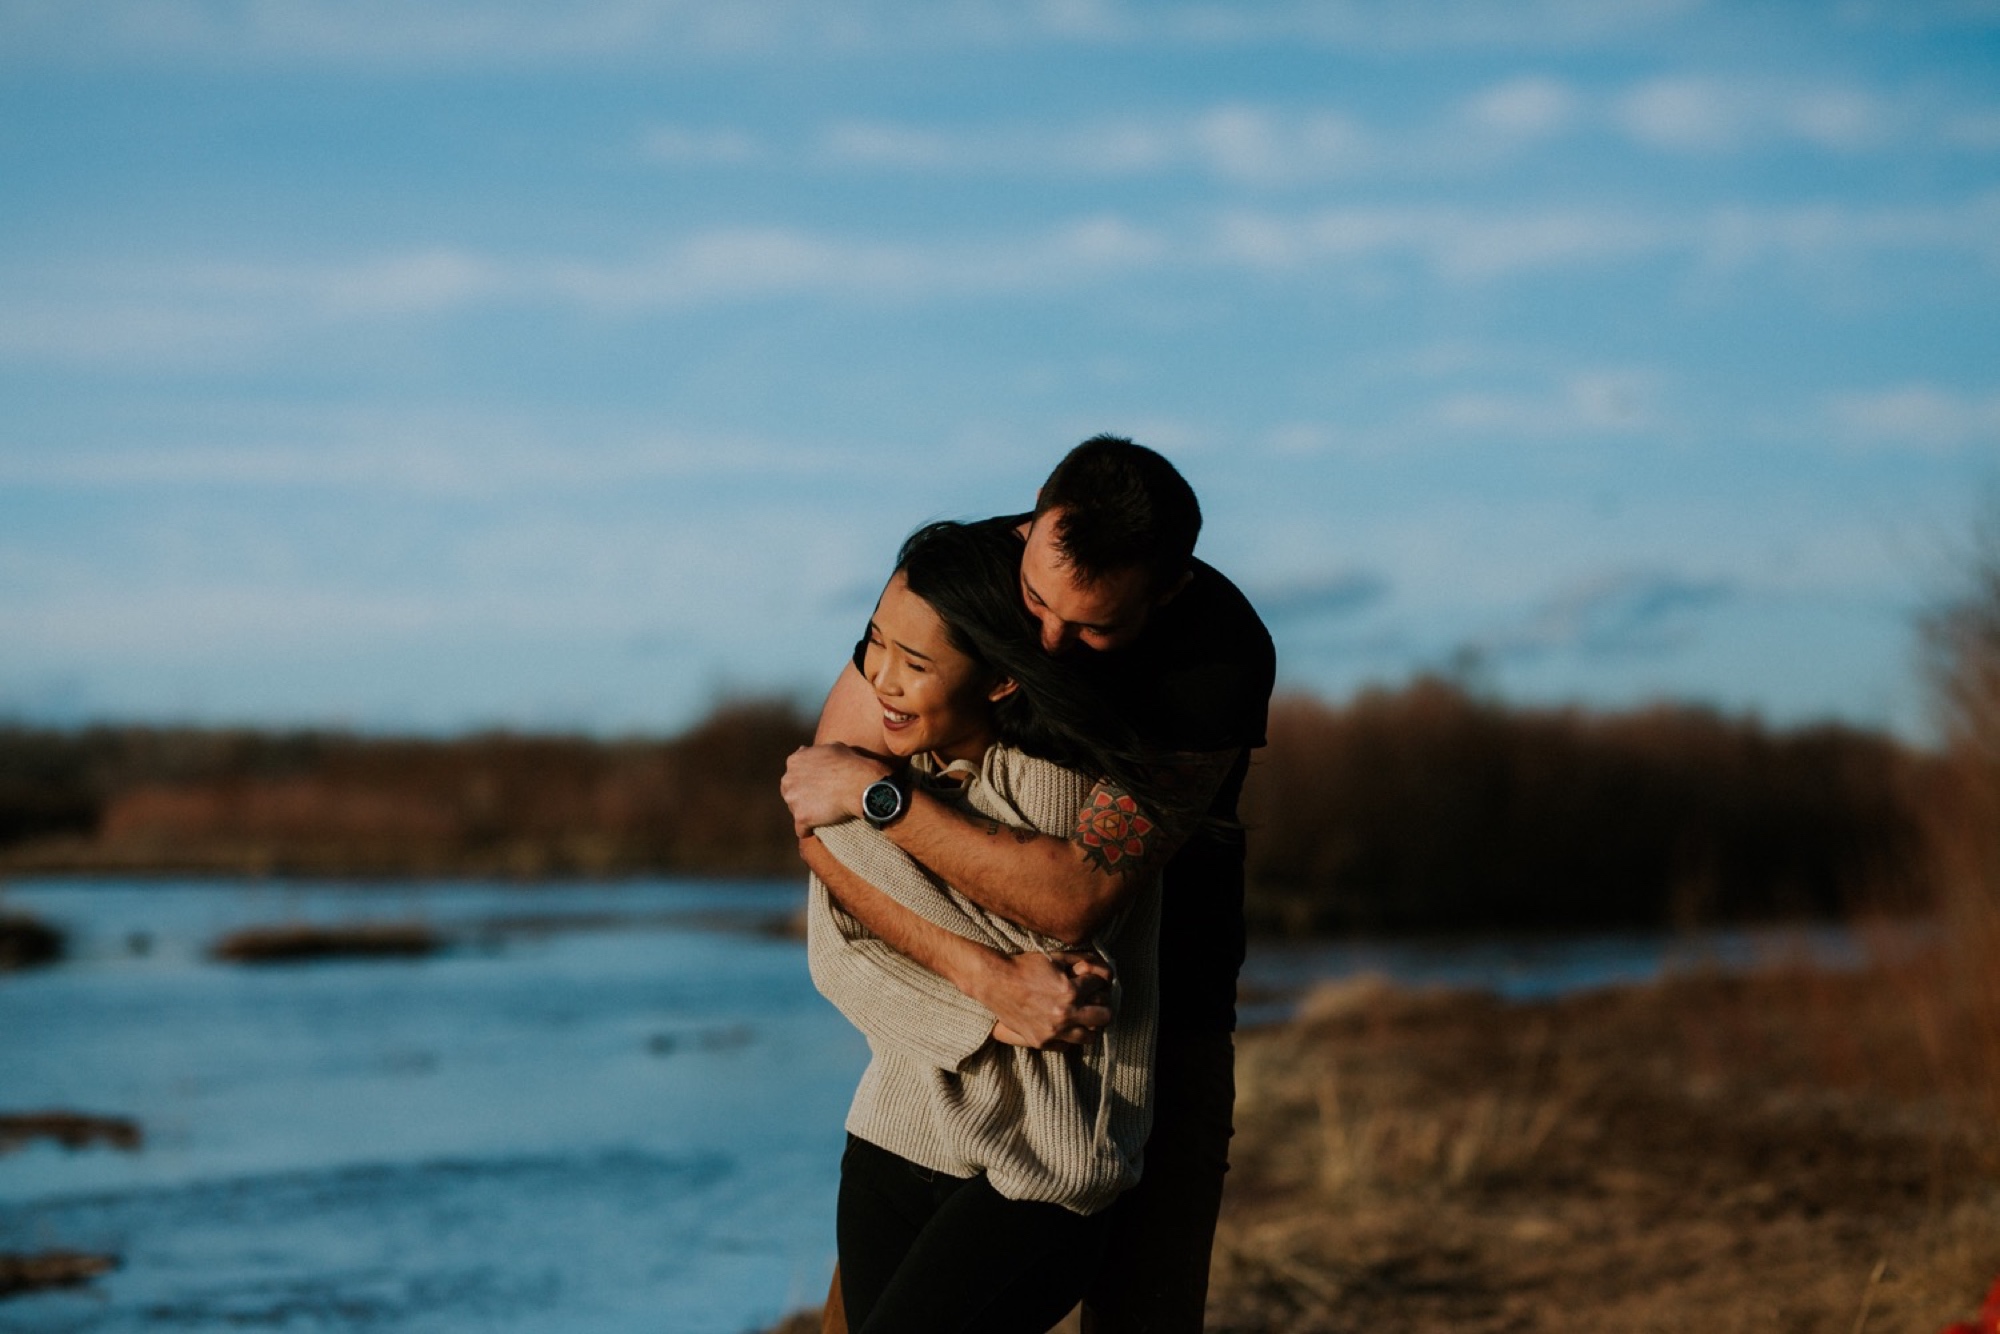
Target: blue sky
(575,365)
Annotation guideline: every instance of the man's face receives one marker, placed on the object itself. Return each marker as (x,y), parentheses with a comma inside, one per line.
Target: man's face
(1105,615)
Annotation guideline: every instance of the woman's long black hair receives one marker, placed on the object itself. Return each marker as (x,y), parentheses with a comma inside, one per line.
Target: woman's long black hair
(970,574)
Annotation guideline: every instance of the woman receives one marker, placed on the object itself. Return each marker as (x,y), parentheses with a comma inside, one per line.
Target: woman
(973,1186)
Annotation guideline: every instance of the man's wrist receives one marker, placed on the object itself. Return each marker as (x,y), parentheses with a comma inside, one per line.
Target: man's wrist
(886,799)
(976,971)
(870,770)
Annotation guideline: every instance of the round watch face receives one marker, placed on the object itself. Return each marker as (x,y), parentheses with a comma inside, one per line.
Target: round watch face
(882,801)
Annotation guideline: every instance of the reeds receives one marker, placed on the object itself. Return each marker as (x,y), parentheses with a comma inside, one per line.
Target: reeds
(1430,809)
(1956,996)
(141,799)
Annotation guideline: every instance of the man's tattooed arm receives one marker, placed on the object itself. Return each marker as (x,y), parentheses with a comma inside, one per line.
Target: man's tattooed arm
(994,829)
(1115,835)
(1061,885)
(1112,832)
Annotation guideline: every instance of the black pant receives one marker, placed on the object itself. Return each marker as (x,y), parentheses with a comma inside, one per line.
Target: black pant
(926,1253)
(1154,1279)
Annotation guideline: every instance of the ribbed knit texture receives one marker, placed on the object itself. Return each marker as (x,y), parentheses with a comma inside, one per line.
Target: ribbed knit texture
(1066,1127)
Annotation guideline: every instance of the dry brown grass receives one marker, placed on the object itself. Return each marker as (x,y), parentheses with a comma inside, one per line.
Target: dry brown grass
(1958,1000)
(1709,1154)
(1795,1150)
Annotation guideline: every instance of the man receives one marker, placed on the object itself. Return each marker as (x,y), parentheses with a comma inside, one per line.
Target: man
(1109,577)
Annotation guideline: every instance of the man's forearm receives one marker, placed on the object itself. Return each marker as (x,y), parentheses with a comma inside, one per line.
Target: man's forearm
(1037,880)
(965,964)
(1038,999)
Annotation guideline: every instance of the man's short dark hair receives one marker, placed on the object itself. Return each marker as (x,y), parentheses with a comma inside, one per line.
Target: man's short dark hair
(1122,506)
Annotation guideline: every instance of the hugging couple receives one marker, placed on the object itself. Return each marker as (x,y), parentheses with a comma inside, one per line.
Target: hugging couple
(1027,891)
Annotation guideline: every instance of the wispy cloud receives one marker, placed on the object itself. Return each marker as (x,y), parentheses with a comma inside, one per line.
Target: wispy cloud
(1616,402)
(384,33)
(1460,244)
(1926,418)
(1341,593)
(1530,107)
(513,32)
(1622,614)
(684,145)
(1238,143)
(1699,114)
(127,312)
(199,311)
(1265,146)
(434,454)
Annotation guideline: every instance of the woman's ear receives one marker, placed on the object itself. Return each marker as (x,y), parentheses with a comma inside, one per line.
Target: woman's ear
(1002,688)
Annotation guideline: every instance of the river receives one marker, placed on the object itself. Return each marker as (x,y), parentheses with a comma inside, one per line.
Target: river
(605,1107)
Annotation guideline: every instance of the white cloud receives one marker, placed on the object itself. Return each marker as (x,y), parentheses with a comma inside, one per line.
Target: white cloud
(1244,143)
(1920,417)
(876,144)
(682,145)
(513,32)
(1526,108)
(1455,243)
(1236,142)
(1842,119)
(1462,245)
(205,312)
(1688,115)
(1704,115)
(443,32)
(169,330)
(1628,613)
(458,454)
(1247,144)
(1589,403)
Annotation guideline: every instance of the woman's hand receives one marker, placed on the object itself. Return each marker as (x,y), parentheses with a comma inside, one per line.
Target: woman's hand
(1049,1002)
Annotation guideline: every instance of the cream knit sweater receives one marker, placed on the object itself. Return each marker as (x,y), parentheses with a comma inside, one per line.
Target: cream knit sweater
(1064,1127)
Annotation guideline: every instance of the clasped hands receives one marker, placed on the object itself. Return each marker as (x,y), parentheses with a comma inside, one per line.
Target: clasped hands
(1049,1001)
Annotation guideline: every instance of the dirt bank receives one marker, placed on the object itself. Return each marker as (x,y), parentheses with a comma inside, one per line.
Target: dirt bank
(26,942)
(50,1269)
(290,943)
(72,1130)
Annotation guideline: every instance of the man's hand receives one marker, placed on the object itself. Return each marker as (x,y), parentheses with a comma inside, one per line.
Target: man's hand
(1048,1001)
(823,784)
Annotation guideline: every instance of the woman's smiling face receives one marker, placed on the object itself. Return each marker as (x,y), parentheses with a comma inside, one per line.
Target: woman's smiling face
(934,698)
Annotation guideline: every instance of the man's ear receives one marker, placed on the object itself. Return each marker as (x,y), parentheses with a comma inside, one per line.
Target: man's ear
(1187,577)
(1002,688)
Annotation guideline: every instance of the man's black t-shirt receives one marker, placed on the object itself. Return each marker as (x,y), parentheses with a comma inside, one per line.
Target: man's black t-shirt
(1198,679)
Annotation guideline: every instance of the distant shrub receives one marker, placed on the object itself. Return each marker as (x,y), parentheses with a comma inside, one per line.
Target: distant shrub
(1429,809)
(1423,808)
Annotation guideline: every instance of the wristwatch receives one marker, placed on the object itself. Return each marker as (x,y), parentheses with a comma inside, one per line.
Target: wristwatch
(884,800)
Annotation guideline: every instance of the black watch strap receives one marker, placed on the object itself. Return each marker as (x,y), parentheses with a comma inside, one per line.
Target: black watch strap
(884,800)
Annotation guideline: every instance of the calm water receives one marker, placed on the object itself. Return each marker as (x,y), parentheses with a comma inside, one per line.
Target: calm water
(607,1108)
